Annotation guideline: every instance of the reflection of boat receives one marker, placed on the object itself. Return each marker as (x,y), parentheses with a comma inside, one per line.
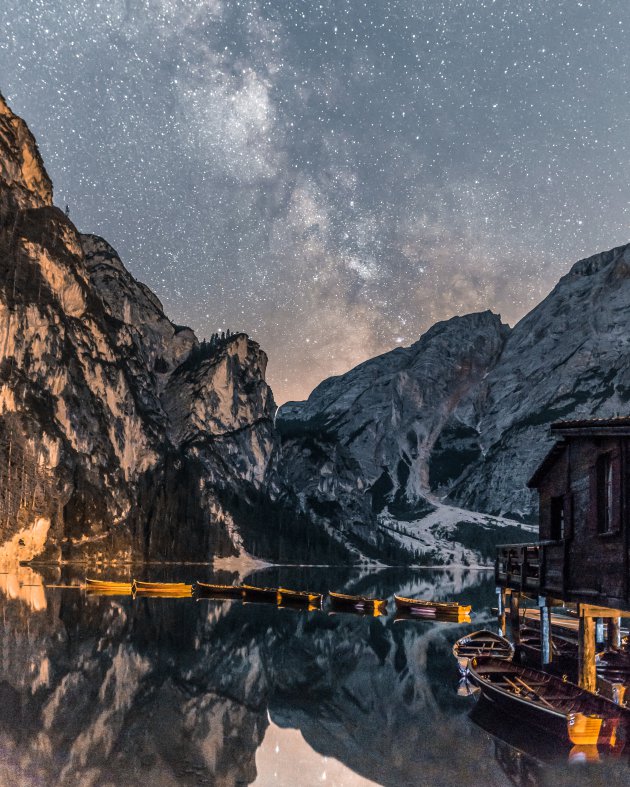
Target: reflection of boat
(264,595)
(105,587)
(359,604)
(551,704)
(429,609)
(299,597)
(481,643)
(403,614)
(208,590)
(173,589)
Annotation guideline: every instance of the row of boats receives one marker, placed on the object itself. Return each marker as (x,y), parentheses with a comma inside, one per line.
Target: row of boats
(549,703)
(445,611)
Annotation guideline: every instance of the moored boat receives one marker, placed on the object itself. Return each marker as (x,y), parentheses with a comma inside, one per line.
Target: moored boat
(362,605)
(107,587)
(443,610)
(173,589)
(299,597)
(261,595)
(551,704)
(209,590)
(479,644)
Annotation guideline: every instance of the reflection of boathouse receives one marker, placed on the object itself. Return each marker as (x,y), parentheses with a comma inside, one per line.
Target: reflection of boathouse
(581,561)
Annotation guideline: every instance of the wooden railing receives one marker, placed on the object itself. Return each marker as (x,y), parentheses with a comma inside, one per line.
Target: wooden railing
(518,566)
(539,567)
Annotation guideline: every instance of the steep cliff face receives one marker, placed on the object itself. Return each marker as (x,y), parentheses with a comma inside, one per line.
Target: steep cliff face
(120,434)
(362,443)
(462,416)
(568,357)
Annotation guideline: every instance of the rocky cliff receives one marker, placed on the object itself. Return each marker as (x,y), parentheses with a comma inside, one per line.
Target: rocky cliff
(387,455)
(121,435)
(568,357)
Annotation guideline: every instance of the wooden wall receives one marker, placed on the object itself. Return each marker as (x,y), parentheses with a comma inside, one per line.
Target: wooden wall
(586,563)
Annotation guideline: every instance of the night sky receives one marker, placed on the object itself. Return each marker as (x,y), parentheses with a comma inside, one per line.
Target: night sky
(331,177)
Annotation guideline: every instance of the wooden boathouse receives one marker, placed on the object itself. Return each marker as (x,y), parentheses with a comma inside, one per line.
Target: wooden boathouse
(581,561)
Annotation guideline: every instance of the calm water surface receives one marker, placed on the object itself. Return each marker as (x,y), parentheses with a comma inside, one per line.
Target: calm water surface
(117,691)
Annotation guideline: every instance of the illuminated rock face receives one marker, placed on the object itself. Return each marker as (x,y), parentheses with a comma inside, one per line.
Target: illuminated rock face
(118,429)
(460,417)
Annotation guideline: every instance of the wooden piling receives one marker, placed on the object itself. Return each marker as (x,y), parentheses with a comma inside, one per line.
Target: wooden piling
(515,623)
(614,633)
(546,647)
(501,597)
(587,674)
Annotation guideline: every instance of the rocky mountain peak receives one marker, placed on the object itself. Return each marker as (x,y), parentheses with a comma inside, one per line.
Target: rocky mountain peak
(129,436)
(21,166)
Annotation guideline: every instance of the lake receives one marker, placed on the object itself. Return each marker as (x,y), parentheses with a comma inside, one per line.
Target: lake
(148,691)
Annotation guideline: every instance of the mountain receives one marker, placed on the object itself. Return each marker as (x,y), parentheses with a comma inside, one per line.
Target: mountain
(387,456)
(121,435)
(569,357)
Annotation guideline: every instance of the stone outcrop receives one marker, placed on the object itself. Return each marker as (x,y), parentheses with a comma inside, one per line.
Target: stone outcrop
(121,435)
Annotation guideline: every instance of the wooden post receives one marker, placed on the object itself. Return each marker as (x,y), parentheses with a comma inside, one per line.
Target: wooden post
(599,632)
(501,593)
(586,653)
(614,633)
(515,623)
(546,649)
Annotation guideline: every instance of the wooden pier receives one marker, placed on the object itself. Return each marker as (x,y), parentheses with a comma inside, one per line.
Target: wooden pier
(580,567)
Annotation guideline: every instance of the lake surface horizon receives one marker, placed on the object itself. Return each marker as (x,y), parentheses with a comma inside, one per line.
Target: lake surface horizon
(101,690)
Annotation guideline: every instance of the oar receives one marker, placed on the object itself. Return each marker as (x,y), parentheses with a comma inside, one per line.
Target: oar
(535,693)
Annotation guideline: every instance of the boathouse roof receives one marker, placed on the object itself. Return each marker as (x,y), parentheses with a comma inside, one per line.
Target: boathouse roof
(579,427)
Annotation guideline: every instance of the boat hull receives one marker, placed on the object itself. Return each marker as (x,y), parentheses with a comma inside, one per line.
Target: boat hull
(479,644)
(260,595)
(299,598)
(550,704)
(422,608)
(208,590)
(359,605)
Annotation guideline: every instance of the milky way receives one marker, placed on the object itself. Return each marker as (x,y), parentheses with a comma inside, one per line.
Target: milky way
(331,177)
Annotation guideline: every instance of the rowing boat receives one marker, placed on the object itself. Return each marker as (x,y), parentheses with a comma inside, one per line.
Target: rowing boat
(208,590)
(421,607)
(301,598)
(264,595)
(104,587)
(551,704)
(479,644)
(360,604)
(172,589)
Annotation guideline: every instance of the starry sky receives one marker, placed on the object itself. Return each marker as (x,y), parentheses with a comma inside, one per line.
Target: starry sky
(331,176)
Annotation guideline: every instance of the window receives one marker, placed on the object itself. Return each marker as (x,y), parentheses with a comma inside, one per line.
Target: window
(605,494)
(558,530)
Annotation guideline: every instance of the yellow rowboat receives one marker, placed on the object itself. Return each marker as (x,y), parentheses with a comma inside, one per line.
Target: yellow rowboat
(104,587)
(171,589)
(361,605)
(421,607)
(300,598)
(208,590)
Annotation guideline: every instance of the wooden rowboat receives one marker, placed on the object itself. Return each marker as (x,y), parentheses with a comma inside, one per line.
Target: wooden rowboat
(362,605)
(420,607)
(551,704)
(480,644)
(261,595)
(110,588)
(299,597)
(172,589)
(208,590)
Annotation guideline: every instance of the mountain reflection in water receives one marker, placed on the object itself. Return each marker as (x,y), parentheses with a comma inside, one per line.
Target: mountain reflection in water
(107,691)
